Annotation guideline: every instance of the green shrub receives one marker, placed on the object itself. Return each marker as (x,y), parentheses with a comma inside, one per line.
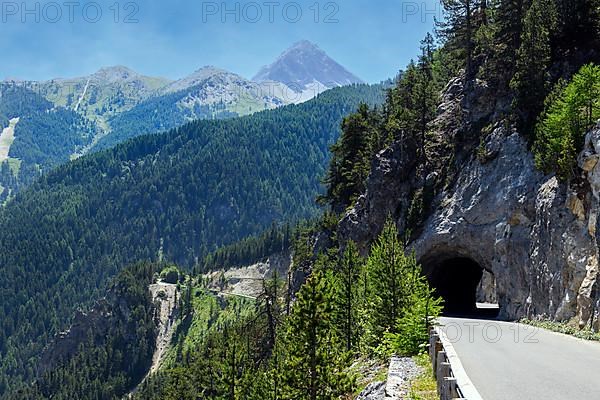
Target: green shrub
(563,327)
(170,275)
(400,303)
(412,327)
(570,111)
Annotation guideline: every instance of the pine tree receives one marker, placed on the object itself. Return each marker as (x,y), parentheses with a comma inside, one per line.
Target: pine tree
(401,303)
(387,268)
(270,311)
(570,111)
(349,297)
(313,368)
(420,310)
(505,29)
(462,20)
(425,92)
(351,157)
(577,30)
(532,80)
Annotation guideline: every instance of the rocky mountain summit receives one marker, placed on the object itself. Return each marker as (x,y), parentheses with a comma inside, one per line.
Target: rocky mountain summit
(108,91)
(198,77)
(211,86)
(120,73)
(534,236)
(305,65)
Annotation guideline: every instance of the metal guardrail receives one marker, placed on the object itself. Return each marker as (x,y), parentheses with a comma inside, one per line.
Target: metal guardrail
(452,380)
(447,385)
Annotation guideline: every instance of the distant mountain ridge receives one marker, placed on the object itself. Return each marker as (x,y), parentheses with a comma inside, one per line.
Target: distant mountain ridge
(196,78)
(302,66)
(118,103)
(106,92)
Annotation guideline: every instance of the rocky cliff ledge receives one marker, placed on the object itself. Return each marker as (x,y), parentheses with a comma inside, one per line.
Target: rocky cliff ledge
(534,237)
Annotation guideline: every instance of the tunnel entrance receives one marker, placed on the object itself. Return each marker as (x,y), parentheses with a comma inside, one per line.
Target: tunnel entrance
(458,280)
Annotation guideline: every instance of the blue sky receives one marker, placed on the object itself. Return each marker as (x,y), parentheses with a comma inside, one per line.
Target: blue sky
(173,38)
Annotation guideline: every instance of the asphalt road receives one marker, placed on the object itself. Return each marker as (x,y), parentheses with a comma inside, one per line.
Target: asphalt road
(508,361)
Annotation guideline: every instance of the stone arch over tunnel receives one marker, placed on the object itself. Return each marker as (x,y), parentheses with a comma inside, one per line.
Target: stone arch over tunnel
(462,282)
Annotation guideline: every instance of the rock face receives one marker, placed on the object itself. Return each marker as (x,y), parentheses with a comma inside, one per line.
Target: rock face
(515,223)
(247,281)
(66,343)
(535,238)
(113,310)
(164,296)
(401,372)
(373,391)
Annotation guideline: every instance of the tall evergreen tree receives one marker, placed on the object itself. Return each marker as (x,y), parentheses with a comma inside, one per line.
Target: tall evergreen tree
(425,92)
(351,157)
(269,310)
(532,78)
(505,28)
(577,31)
(462,20)
(313,367)
(349,299)
(401,116)
(391,275)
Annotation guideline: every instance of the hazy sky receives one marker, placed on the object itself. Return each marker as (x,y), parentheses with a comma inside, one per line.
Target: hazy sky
(172,38)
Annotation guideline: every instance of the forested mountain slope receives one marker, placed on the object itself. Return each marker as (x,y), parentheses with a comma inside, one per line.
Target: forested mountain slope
(214,94)
(108,349)
(174,196)
(44,136)
(506,74)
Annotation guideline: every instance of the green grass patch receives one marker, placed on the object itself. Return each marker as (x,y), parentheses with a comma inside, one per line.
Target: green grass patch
(209,313)
(15,165)
(423,387)
(563,327)
(246,105)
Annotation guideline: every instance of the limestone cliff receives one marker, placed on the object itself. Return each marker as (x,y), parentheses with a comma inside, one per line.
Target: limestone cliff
(482,198)
(247,281)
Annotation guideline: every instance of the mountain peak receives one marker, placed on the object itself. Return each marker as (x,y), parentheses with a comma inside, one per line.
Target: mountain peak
(209,70)
(199,76)
(115,73)
(305,64)
(304,44)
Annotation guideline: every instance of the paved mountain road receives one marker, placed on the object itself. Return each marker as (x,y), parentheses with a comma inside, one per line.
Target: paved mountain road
(509,361)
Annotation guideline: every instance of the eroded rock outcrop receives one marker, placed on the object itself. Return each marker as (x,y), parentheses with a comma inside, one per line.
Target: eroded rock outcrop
(164,296)
(118,314)
(535,236)
(85,326)
(247,281)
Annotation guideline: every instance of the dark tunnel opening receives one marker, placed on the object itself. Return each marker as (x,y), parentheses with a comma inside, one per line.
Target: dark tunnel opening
(457,280)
